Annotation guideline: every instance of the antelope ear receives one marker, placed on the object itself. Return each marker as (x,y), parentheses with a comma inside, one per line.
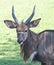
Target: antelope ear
(10,24)
(34,23)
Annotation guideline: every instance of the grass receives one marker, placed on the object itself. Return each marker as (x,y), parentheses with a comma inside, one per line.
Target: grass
(9,48)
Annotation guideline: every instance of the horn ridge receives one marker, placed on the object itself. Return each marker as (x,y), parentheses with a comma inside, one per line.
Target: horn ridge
(13,15)
(31,16)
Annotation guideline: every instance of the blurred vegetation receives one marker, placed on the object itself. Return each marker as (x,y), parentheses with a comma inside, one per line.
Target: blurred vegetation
(9,48)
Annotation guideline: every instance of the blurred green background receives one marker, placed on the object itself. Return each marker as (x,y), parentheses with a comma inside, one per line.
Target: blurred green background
(9,48)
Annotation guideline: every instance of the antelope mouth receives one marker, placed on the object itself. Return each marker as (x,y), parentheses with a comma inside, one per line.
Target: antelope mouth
(21,43)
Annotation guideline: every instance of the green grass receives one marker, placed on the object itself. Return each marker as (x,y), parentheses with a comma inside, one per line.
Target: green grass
(9,48)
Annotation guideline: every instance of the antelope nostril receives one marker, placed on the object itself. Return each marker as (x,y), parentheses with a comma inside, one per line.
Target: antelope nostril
(19,41)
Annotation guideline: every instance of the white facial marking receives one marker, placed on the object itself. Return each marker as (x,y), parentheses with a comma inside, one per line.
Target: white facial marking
(21,32)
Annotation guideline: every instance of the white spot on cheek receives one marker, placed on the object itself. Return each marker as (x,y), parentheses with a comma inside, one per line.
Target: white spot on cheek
(21,32)
(32,55)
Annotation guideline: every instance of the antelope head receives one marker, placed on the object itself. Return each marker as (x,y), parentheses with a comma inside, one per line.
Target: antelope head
(22,28)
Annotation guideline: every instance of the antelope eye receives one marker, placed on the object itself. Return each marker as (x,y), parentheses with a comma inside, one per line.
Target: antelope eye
(25,30)
(19,31)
